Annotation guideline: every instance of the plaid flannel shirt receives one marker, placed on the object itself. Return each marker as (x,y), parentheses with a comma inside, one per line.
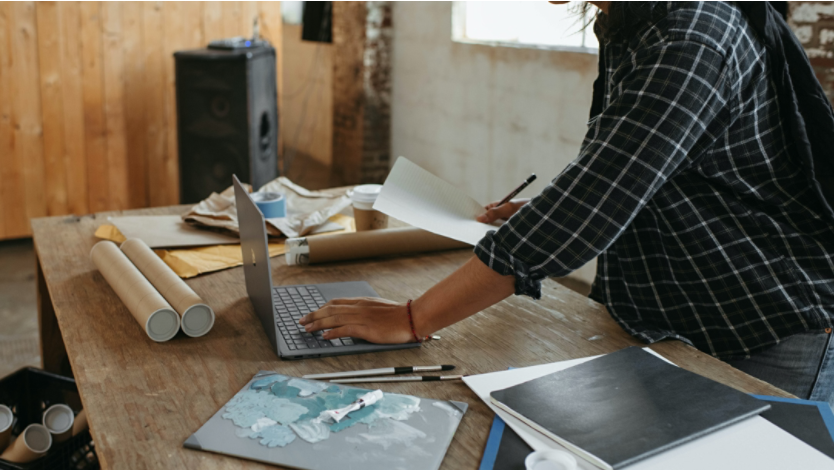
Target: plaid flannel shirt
(687,189)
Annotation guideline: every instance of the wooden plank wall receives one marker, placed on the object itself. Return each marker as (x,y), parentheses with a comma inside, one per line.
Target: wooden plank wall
(87,102)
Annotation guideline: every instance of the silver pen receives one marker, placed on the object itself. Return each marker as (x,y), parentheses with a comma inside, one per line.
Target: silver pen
(409,378)
(376,372)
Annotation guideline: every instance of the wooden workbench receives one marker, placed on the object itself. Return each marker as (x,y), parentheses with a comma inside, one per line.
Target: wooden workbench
(143,399)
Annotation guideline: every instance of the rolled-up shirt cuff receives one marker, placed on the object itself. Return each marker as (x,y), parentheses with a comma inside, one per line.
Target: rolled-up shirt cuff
(501,261)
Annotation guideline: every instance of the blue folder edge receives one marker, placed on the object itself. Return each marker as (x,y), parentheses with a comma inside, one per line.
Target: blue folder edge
(496,432)
(823,408)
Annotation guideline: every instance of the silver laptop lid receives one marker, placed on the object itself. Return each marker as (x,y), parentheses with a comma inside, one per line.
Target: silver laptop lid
(256,270)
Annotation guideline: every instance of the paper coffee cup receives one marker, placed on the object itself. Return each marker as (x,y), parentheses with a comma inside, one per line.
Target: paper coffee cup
(59,420)
(365,217)
(31,444)
(6,422)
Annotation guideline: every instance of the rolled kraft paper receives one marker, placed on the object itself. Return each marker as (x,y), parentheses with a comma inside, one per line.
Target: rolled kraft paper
(59,420)
(6,421)
(31,444)
(197,318)
(148,307)
(80,424)
(383,242)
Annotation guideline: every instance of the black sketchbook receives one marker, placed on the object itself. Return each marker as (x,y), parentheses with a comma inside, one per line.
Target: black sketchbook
(626,406)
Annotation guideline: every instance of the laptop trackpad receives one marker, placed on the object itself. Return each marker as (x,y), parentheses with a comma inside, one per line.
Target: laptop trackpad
(338,290)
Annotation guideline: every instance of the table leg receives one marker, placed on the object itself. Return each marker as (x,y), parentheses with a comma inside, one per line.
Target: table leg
(53,352)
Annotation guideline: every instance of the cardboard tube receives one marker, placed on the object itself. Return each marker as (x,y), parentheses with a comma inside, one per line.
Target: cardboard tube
(31,444)
(148,307)
(372,243)
(197,318)
(80,423)
(6,422)
(59,420)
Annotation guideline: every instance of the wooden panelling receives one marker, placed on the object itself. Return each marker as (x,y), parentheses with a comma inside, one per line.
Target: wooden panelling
(72,96)
(307,101)
(12,216)
(87,100)
(26,108)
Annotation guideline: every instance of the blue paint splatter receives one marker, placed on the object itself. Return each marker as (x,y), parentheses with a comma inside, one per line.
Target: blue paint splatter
(307,387)
(267,381)
(297,405)
(250,405)
(311,431)
(354,418)
(274,436)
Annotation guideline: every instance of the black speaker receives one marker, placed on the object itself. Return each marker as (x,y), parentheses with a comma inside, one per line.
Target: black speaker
(227,119)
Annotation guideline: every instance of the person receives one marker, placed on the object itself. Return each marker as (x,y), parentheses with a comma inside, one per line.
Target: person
(691,187)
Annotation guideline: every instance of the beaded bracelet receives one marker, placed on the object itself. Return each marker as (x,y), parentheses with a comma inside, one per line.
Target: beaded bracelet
(411,322)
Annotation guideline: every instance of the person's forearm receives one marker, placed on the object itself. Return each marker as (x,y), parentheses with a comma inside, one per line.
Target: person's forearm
(470,289)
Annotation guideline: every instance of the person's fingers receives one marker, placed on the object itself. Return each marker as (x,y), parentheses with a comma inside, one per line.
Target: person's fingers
(332,321)
(324,312)
(347,301)
(351,331)
(504,211)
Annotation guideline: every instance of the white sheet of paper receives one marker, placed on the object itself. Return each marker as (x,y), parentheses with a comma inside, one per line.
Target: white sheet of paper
(753,444)
(421,199)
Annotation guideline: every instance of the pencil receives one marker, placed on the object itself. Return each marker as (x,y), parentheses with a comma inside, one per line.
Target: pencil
(410,378)
(517,190)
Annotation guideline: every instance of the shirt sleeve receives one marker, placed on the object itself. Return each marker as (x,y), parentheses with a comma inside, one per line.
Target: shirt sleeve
(659,111)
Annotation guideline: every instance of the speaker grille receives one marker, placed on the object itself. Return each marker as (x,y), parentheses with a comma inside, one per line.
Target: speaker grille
(227,119)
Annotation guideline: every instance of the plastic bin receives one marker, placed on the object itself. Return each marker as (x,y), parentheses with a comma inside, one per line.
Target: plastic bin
(28,392)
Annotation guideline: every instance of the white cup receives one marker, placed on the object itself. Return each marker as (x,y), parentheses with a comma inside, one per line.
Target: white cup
(364,215)
(550,460)
(59,420)
(6,422)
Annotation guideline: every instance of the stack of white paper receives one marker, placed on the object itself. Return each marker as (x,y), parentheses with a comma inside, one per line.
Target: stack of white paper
(753,444)
(419,198)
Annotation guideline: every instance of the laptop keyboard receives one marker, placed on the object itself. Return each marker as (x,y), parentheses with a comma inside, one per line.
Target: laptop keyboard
(292,303)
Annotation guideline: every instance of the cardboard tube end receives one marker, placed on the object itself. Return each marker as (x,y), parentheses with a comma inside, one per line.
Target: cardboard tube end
(197,320)
(162,325)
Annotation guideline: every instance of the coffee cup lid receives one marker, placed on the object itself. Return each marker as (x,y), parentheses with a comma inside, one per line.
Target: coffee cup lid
(365,193)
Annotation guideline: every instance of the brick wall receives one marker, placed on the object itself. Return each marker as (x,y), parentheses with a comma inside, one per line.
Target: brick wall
(813,23)
(376,152)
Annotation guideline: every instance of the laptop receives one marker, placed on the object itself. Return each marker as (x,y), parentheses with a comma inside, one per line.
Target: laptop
(280,307)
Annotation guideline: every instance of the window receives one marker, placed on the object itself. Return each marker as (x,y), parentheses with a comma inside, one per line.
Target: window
(525,24)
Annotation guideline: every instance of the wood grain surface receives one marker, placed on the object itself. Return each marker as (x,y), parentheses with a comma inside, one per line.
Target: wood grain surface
(87,101)
(143,399)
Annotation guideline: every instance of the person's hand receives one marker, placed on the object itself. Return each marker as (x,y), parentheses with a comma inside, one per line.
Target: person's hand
(505,211)
(369,318)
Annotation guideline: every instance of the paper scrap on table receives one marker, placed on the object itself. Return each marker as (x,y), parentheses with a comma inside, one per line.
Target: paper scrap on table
(307,211)
(751,443)
(421,199)
(169,231)
(190,262)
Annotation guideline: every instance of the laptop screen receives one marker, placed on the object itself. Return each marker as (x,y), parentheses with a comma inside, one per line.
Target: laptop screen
(256,269)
